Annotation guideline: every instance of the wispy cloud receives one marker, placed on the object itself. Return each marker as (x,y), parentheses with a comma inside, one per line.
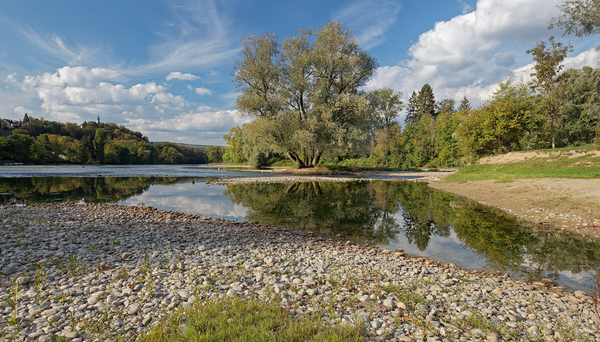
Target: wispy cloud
(369,19)
(200,39)
(56,47)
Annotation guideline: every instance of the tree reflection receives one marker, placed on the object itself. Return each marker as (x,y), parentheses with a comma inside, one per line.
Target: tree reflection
(75,189)
(379,211)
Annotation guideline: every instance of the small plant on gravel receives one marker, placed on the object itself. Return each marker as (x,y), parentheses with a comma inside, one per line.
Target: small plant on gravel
(13,320)
(246,319)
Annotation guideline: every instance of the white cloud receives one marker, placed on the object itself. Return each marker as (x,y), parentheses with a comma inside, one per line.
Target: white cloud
(21,110)
(203,121)
(79,93)
(203,91)
(11,78)
(176,75)
(471,53)
(369,19)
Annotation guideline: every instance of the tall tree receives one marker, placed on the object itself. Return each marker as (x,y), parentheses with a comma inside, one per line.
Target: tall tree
(411,110)
(426,102)
(26,118)
(385,104)
(581,17)
(548,58)
(446,106)
(306,92)
(465,105)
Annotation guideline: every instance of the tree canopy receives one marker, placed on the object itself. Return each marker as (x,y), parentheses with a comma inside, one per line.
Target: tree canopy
(304,92)
(548,58)
(581,17)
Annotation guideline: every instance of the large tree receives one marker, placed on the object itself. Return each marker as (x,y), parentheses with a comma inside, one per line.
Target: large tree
(386,105)
(581,17)
(305,92)
(548,58)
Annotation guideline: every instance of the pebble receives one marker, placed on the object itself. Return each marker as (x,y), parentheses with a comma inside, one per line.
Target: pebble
(141,264)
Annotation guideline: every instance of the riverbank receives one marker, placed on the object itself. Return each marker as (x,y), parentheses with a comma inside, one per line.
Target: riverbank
(139,265)
(570,205)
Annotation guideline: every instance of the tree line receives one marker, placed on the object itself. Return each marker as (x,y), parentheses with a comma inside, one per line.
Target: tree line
(306,97)
(42,141)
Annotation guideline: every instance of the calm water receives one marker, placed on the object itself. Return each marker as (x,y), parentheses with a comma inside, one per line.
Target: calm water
(406,215)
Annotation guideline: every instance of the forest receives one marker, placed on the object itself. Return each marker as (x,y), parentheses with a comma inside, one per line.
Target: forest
(314,110)
(39,141)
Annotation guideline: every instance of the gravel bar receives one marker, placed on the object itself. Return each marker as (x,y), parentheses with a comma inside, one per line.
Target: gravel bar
(292,179)
(102,272)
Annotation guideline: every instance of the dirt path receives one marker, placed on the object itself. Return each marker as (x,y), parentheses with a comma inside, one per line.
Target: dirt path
(568,204)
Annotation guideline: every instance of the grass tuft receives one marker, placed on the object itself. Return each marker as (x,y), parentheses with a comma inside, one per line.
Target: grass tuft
(236,319)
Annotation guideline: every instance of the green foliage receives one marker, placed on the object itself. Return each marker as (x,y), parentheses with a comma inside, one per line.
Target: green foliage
(214,154)
(548,59)
(238,319)
(42,141)
(305,92)
(234,152)
(581,17)
(579,102)
(499,126)
(385,104)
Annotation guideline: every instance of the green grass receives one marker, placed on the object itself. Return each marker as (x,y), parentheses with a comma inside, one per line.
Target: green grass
(236,319)
(560,166)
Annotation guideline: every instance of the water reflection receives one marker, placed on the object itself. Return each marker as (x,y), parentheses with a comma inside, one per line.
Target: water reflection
(407,215)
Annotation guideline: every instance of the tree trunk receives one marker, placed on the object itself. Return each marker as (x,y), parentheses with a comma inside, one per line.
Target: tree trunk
(316,158)
(296,160)
(552,130)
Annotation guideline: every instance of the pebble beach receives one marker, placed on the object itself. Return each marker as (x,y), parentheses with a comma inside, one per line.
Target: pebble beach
(67,267)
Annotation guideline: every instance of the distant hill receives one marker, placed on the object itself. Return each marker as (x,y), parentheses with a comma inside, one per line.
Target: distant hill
(202,147)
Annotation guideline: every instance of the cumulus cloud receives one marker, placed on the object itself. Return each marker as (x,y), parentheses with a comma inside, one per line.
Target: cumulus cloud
(79,93)
(369,19)
(176,75)
(203,91)
(471,53)
(204,121)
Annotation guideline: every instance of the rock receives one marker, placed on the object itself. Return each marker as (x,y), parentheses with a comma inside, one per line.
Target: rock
(497,292)
(23,280)
(93,300)
(71,334)
(126,255)
(580,294)
(133,309)
(185,294)
(389,303)
(487,311)
(146,320)
(491,337)
(401,305)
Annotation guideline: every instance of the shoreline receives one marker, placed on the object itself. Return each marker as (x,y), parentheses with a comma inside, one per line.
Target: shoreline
(562,205)
(141,264)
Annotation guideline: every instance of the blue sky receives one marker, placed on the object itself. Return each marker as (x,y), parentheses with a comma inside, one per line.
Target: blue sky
(164,67)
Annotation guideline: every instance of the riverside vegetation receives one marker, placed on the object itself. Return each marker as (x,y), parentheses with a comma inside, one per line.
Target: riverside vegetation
(87,272)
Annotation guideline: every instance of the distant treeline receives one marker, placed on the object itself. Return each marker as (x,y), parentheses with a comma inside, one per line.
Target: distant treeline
(41,141)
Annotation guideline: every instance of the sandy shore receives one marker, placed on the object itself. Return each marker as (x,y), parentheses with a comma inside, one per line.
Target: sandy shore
(567,204)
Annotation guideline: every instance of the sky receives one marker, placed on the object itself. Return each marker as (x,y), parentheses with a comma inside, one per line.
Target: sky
(164,67)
